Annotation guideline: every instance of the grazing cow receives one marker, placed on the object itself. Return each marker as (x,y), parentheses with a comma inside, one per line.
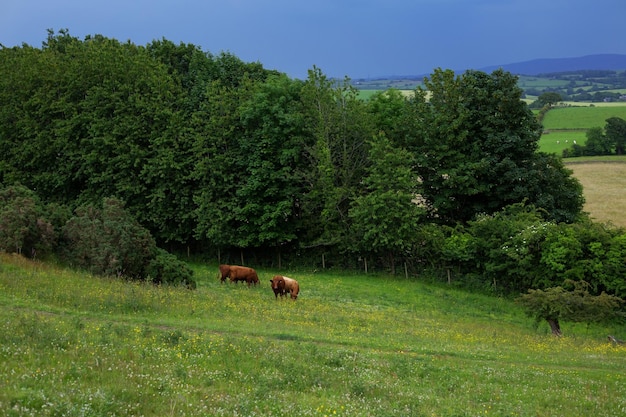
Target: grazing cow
(242,273)
(283,285)
(278,286)
(224,272)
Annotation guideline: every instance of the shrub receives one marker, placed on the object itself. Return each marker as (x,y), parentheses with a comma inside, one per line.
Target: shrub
(575,304)
(168,269)
(107,240)
(23,228)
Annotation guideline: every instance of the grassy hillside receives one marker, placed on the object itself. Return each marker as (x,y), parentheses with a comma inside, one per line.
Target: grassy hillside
(351,345)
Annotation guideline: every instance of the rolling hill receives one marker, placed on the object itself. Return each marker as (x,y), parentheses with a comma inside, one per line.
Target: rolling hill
(552,65)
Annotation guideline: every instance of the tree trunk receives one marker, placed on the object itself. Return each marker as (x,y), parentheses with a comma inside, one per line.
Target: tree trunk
(555,327)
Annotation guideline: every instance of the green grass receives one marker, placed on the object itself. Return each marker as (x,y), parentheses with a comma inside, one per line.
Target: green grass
(581,117)
(557,141)
(351,345)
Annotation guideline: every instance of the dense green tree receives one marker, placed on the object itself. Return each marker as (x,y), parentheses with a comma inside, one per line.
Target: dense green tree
(597,143)
(386,110)
(336,121)
(272,151)
(476,142)
(219,130)
(106,239)
(386,214)
(508,248)
(613,280)
(549,98)
(615,131)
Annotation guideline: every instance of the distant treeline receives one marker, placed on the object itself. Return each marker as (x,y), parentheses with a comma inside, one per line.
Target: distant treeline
(214,155)
(586,85)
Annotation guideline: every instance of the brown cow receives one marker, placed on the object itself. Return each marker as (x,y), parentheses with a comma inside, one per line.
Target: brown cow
(283,285)
(243,273)
(224,272)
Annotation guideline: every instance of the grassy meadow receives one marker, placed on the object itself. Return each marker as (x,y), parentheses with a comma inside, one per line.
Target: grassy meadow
(564,125)
(351,345)
(582,117)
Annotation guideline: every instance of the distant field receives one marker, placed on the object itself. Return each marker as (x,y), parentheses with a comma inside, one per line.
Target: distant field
(582,117)
(604,182)
(557,141)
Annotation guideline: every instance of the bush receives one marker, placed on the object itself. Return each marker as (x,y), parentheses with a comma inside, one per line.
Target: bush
(107,240)
(166,268)
(23,227)
(575,304)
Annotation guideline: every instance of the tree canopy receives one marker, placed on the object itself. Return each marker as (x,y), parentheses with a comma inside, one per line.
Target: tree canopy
(209,152)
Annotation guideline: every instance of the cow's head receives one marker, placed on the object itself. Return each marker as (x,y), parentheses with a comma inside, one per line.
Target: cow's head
(278,283)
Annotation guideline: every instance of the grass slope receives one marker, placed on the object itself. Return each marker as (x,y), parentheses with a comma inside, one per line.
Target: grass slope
(351,345)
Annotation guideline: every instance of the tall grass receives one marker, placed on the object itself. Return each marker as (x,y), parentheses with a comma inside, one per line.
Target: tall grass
(351,345)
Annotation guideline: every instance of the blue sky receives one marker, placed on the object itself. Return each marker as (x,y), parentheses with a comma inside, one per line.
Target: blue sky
(366,38)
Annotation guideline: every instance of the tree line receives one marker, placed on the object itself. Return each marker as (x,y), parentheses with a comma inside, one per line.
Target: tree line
(215,155)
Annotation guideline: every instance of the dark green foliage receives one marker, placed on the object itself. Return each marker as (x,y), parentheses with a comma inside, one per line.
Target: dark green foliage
(386,214)
(211,152)
(476,142)
(597,143)
(107,240)
(615,131)
(549,98)
(166,268)
(508,248)
(23,225)
(602,142)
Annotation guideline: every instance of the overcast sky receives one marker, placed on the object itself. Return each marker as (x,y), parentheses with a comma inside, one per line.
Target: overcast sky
(366,38)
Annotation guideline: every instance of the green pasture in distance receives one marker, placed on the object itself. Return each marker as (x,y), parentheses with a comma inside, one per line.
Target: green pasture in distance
(557,141)
(582,117)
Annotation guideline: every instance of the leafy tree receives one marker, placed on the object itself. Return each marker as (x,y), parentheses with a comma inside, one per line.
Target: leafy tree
(549,98)
(272,142)
(475,142)
(575,304)
(386,215)
(218,126)
(459,249)
(550,186)
(386,110)
(597,143)
(508,247)
(614,278)
(615,131)
(336,121)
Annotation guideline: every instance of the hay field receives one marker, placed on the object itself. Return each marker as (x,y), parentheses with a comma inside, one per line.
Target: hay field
(604,188)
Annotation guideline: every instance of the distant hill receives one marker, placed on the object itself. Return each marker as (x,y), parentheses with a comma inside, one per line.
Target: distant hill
(552,65)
